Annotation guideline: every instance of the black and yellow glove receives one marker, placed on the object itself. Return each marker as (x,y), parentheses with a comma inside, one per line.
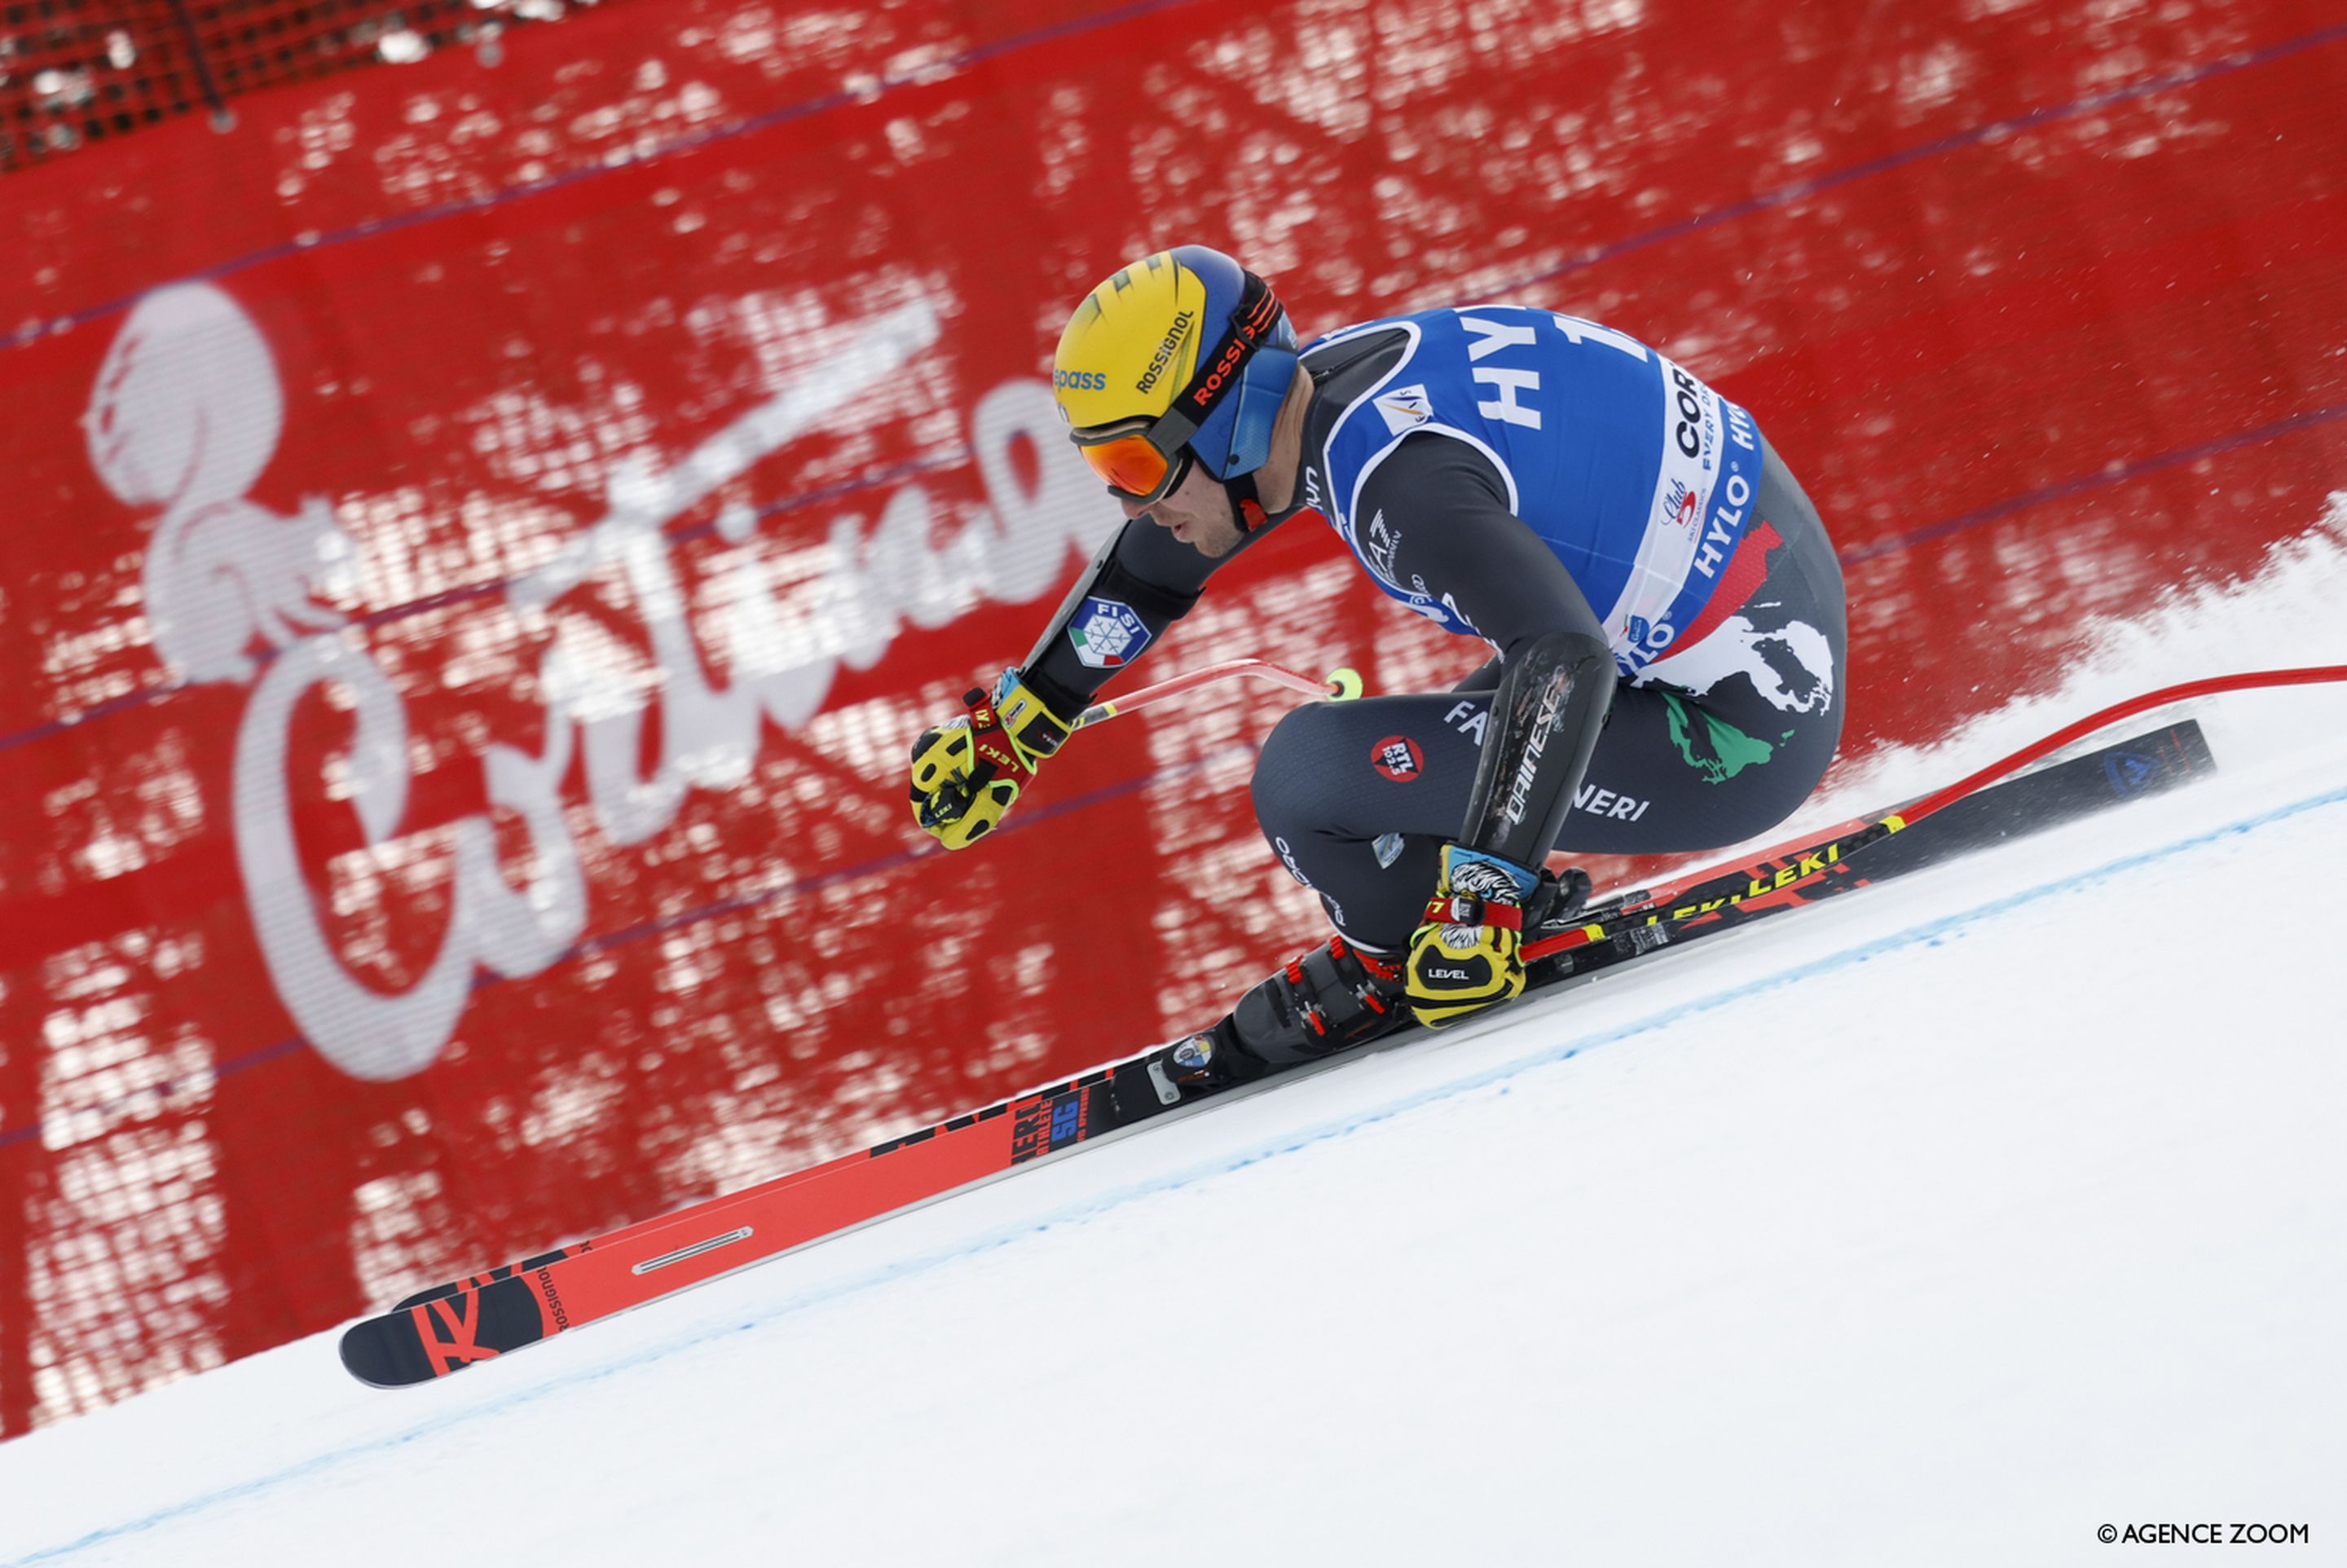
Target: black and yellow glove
(1467,953)
(967,773)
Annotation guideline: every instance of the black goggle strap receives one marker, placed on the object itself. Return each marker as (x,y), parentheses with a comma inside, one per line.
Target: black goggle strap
(1257,318)
(1218,372)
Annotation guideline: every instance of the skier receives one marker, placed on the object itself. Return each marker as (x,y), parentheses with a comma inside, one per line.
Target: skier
(1662,603)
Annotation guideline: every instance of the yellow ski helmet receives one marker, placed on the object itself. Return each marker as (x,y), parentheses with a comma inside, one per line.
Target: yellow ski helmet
(1183,355)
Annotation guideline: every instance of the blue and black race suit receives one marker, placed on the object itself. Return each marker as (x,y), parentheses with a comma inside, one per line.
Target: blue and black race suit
(1535,481)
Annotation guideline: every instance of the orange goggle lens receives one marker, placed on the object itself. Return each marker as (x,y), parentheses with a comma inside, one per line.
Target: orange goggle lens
(1133,467)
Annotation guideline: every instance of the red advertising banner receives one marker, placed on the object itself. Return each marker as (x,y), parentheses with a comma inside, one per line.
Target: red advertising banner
(486,528)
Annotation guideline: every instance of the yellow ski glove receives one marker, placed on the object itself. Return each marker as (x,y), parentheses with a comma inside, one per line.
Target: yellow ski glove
(968,772)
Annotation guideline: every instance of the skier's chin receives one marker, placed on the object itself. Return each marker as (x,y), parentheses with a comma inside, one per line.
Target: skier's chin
(1213,538)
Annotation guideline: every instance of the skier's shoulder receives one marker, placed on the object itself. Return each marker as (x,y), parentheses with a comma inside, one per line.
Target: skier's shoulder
(1378,381)
(1351,367)
(1436,364)
(1346,362)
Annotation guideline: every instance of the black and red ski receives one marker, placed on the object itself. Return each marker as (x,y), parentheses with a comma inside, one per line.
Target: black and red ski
(443,1330)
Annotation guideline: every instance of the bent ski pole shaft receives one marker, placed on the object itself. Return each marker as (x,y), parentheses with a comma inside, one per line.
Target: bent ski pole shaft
(1337,685)
(1673,906)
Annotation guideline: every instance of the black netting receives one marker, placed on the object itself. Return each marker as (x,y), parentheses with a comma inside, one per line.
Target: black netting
(78,71)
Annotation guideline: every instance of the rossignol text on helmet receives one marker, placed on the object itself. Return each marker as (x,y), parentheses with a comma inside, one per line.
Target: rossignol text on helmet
(1182,356)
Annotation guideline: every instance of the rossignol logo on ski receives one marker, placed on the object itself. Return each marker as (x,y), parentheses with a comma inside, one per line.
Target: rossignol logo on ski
(461,1345)
(551,1300)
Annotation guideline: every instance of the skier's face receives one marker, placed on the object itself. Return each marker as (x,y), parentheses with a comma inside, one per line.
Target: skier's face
(1197,511)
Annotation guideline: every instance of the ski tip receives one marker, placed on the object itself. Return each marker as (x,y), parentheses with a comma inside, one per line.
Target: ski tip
(444,1335)
(371,1353)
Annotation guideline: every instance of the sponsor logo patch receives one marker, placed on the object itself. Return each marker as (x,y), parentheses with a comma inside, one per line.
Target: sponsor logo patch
(1044,1123)
(1107,633)
(1398,758)
(1650,637)
(1405,408)
(1382,542)
(1682,506)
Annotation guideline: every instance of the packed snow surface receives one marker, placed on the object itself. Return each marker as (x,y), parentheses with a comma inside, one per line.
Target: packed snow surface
(1947,1223)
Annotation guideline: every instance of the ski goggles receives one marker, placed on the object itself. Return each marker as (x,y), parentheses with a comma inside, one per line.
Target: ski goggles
(1140,460)
(1143,459)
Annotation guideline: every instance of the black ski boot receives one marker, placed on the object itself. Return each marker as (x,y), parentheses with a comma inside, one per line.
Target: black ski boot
(1334,996)
(1556,904)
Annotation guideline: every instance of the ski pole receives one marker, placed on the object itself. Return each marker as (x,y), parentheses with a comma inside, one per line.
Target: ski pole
(1338,685)
(1701,896)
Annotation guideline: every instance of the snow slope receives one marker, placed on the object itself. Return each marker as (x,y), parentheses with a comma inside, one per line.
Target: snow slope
(1943,1224)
